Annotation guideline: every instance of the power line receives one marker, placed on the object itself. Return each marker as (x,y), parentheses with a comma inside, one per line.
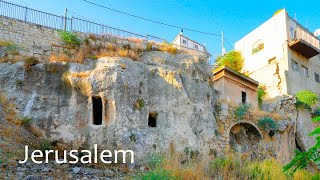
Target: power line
(150,20)
(228,43)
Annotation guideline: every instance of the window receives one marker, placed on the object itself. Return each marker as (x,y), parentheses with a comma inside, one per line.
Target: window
(184,41)
(196,47)
(294,65)
(244,97)
(97,110)
(152,120)
(292,33)
(257,46)
(316,77)
(305,71)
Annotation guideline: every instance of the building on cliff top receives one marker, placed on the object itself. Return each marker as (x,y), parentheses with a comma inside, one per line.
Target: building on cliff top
(282,55)
(186,44)
(235,87)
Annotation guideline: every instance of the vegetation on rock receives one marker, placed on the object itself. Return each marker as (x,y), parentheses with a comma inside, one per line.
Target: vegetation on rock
(311,156)
(267,124)
(232,59)
(261,94)
(242,110)
(71,39)
(306,99)
(29,63)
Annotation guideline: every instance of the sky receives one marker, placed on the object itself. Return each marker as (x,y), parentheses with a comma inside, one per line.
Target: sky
(235,18)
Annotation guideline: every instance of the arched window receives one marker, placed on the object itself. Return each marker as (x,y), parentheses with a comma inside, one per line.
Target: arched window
(257,46)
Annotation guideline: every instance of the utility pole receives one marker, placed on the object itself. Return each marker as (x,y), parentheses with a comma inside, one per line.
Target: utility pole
(223,50)
(65,19)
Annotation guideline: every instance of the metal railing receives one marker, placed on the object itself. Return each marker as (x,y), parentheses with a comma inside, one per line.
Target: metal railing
(85,26)
(34,16)
(301,33)
(49,20)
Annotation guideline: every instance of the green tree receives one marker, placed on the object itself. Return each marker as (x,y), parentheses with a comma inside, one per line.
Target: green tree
(232,59)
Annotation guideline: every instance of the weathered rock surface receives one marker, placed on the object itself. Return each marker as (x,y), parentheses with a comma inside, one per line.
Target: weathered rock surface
(174,87)
(304,128)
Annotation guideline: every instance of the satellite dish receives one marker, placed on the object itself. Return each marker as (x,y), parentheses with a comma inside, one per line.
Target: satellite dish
(317,33)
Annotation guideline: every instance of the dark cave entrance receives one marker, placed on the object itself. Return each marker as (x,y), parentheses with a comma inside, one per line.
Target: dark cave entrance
(152,119)
(97,110)
(244,138)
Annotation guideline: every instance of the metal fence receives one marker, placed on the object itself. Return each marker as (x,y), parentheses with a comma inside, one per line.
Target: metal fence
(85,26)
(34,16)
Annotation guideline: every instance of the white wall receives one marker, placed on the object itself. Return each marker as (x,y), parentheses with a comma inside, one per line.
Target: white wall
(189,43)
(273,34)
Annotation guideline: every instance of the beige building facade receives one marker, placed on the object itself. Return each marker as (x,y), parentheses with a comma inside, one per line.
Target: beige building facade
(234,87)
(282,55)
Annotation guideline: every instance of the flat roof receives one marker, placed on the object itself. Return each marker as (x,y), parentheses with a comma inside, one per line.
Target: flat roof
(238,74)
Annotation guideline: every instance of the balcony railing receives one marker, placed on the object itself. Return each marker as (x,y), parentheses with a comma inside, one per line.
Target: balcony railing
(304,42)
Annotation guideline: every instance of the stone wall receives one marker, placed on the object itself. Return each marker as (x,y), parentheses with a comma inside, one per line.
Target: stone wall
(280,145)
(33,39)
(40,41)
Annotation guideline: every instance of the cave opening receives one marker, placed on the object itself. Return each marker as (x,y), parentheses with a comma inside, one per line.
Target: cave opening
(97,110)
(152,119)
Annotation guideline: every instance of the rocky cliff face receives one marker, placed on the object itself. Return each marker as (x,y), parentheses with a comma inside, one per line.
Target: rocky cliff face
(145,106)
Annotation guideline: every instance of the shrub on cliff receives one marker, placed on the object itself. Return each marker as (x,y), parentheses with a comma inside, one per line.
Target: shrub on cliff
(232,59)
(307,97)
(261,94)
(29,62)
(242,110)
(71,39)
(267,124)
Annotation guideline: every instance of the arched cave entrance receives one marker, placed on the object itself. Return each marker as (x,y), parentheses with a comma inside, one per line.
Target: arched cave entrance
(244,139)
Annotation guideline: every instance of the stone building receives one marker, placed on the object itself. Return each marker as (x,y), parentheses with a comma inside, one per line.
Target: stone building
(283,55)
(235,87)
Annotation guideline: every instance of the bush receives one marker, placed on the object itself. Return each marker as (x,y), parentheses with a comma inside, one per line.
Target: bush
(139,104)
(261,94)
(45,145)
(242,110)
(71,39)
(9,48)
(19,83)
(29,62)
(26,121)
(232,59)
(169,48)
(268,124)
(156,175)
(306,97)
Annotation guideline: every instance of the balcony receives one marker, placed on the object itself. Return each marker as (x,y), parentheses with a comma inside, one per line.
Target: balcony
(304,42)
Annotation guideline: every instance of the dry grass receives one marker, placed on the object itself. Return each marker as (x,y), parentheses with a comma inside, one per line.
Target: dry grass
(135,40)
(60,57)
(259,113)
(169,48)
(114,51)
(170,166)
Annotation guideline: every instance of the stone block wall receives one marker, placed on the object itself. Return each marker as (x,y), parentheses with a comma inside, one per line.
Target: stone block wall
(35,40)
(40,41)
